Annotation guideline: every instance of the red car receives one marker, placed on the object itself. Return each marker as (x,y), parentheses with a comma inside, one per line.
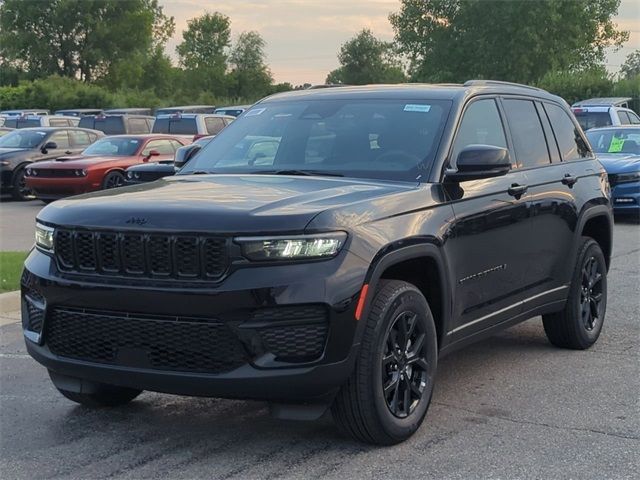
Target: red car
(99,166)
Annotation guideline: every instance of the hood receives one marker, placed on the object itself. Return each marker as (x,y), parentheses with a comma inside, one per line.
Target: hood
(223,203)
(77,161)
(5,152)
(619,162)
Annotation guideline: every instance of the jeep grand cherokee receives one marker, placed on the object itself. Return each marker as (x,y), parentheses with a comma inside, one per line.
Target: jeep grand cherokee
(324,251)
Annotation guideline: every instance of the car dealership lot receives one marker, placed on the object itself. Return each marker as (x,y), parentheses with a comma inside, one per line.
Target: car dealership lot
(509,407)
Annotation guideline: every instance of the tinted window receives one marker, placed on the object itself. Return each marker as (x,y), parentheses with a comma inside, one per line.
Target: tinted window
(480,124)
(180,126)
(384,139)
(163,147)
(79,138)
(568,137)
(615,140)
(138,125)
(11,122)
(589,120)
(22,139)
(61,139)
(624,118)
(28,122)
(526,131)
(214,125)
(108,125)
(117,146)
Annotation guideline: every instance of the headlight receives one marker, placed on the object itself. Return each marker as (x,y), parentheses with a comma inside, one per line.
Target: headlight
(80,173)
(295,247)
(628,177)
(129,175)
(44,237)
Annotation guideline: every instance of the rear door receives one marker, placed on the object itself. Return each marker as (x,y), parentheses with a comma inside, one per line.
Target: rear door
(485,246)
(552,201)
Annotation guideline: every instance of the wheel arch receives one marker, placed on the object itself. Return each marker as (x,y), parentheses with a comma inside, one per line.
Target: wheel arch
(597,223)
(422,265)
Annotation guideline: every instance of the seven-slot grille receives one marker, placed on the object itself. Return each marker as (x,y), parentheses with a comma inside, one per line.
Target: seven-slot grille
(135,254)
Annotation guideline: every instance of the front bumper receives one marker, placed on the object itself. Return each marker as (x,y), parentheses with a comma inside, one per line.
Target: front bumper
(333,284)
(55,188)
(625,198)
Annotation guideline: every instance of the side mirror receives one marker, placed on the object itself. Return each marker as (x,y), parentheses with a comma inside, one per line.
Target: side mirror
(475,162)
(151,153)
(49,146)
(184,154)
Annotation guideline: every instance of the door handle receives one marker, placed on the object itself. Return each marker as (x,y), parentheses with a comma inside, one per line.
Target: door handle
(516,190)
(68,152)
(569,179)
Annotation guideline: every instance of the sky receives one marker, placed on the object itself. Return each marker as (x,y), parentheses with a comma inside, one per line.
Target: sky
(304,36)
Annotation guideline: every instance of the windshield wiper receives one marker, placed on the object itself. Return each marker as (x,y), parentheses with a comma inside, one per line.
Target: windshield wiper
(309,173)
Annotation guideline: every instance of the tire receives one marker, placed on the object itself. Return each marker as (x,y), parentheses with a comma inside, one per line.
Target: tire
(361,408)
(103,396)
(578,326)
(20,191)
(113,180)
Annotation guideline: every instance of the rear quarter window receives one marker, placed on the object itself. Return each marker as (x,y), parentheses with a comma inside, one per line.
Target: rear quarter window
(569,138)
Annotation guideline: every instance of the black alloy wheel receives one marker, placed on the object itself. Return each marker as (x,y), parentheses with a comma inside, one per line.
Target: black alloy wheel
(404,365)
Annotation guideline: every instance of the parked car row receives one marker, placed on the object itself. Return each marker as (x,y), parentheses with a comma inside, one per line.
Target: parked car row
(45,161)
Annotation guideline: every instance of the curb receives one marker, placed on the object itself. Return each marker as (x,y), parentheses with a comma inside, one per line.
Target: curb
(9,302)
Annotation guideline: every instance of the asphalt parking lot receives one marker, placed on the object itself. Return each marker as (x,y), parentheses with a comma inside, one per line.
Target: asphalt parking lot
(510,407)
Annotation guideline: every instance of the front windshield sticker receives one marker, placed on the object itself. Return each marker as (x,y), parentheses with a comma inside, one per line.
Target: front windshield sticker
(417,108)
(256,111)
(616,145)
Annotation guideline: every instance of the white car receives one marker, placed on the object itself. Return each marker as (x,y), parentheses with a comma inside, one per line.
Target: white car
(602,112)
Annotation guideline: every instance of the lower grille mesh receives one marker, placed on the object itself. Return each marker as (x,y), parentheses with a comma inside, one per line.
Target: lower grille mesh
(156,342)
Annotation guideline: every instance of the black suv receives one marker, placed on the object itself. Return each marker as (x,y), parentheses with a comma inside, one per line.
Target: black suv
(324,251)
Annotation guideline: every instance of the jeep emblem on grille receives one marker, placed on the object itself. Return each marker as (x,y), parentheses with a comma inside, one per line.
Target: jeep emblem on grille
(137,220)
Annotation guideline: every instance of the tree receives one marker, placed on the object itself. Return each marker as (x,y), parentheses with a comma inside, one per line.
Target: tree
(78,38)
(631,66)
(249,76)
(454,40)
(365,59)
(205,42)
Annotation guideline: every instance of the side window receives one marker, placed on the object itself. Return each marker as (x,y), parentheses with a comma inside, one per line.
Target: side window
(61,139)
(79,138)
(214,125)
(526,131)
(163,147)
(633,118)
(624,118)
(570,141)
(138,125)
(480,124)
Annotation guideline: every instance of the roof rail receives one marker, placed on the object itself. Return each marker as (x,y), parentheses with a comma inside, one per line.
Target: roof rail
(470,83)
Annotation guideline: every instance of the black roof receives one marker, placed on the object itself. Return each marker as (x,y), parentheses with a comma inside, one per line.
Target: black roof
(448,91)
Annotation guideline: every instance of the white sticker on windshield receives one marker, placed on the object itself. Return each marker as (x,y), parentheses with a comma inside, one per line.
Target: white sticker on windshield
(413,107)
(255,111)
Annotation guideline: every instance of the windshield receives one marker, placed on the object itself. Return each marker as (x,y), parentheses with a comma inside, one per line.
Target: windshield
(23,139)
(615,140)
(589,120)
(383,139)
(119,147)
